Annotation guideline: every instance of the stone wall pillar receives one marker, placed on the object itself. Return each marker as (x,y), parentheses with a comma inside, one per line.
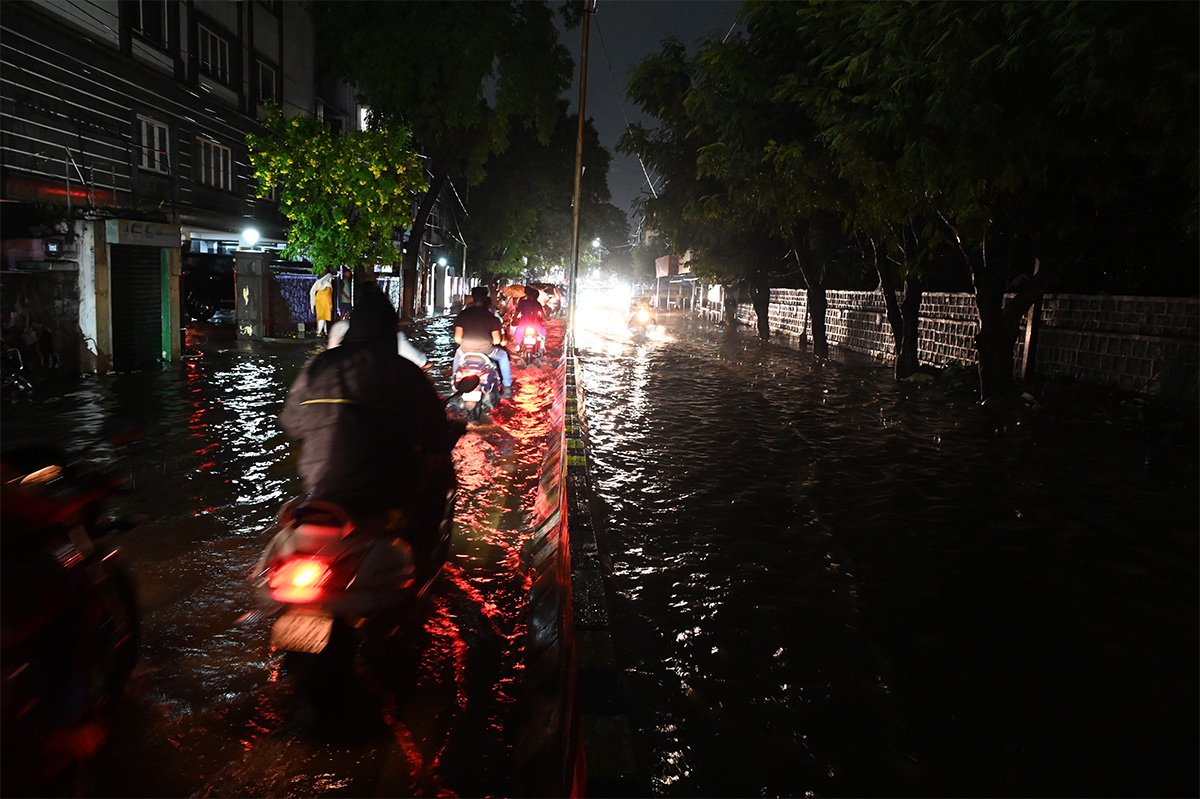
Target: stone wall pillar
(251,305)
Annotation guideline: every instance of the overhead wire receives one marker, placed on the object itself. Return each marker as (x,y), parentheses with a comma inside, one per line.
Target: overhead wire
(621,93)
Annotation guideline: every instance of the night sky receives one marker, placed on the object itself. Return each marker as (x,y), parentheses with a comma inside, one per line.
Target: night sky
(622,33)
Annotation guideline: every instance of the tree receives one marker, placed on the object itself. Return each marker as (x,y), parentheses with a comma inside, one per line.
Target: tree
(520,215)
(455,73)
(345,194)
(1015,130)
(695,210)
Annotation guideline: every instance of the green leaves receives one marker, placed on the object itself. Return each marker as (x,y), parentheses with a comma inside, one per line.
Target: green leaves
(345,194)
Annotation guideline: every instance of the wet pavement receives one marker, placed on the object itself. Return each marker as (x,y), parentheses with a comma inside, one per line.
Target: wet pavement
(208,711)
(828,583)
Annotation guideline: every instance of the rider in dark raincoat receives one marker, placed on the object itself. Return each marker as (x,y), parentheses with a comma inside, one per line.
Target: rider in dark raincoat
(373,433)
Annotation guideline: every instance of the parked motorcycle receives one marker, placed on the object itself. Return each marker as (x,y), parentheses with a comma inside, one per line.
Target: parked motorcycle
(14,377)
(69,620)
(485,395)
(335,583)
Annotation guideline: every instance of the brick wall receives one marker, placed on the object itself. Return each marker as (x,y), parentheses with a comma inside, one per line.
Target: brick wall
(1144,344)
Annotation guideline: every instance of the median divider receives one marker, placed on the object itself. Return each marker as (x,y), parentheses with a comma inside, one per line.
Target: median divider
(574,736)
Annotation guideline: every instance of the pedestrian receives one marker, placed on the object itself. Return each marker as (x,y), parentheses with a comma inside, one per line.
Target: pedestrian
(320,299)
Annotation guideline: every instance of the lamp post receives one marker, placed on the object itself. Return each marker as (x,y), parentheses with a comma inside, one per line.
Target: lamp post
(573,287)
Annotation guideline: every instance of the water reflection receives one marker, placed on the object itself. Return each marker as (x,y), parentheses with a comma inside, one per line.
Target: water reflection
(829,582)
(209,711)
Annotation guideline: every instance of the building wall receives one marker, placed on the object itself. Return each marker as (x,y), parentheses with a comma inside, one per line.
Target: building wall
(1144,344)
(79,80)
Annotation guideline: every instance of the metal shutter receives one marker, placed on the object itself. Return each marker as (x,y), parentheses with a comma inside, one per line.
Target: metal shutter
(135,274)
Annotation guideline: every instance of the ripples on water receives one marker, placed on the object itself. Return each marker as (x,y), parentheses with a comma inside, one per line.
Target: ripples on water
(207,712)
(830,582)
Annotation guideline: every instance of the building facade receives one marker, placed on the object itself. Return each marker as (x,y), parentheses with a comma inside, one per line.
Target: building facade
(123,157)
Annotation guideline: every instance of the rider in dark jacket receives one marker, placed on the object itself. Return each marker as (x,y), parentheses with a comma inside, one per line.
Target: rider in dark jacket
(373,433)
(530,311)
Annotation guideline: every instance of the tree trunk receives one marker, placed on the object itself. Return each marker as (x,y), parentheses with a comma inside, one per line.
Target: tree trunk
(1000,322)
(895,315)
(908,358)
(993,349)
(415,239)
(814,279)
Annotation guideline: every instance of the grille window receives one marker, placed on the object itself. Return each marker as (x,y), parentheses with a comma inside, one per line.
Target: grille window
(215,164)
(155,155)
(214,55)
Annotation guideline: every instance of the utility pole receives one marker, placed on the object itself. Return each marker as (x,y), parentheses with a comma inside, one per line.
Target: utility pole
(573,287)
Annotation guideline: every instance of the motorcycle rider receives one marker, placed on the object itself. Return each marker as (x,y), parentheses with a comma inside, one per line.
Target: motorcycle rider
(530,312)
(478,329)
(373,434)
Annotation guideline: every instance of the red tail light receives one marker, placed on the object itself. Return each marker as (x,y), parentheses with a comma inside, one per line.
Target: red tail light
(530,334)
(299,580)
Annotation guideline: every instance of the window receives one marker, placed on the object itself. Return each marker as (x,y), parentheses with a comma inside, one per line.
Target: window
(152,141)
(266,84)
(364,117)
(214,55)
(214,164)
(149,18)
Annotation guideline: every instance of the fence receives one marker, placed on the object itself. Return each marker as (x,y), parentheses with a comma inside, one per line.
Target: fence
(1149,345)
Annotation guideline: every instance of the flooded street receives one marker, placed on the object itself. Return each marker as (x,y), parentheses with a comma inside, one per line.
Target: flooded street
(829,583)
(208,711)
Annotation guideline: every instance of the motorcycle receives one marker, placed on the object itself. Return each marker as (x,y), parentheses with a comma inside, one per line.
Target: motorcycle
(530,341)
(640,325)
(69,617)
(14,379)
(336,583)
(484,396)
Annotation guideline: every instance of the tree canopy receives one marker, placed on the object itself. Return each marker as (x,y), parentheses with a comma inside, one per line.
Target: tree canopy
(455,74)
(345,194)
(1028,141)
(521,217)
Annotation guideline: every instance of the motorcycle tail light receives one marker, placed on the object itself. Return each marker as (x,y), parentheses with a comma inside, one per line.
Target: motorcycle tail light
(530,334)
(299,580)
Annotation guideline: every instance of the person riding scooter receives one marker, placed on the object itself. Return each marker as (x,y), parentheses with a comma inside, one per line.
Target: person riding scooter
(530,312)
(373,433)
(478,329)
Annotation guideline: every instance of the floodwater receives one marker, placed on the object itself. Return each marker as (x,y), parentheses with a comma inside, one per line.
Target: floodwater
(828,583)
(208,711)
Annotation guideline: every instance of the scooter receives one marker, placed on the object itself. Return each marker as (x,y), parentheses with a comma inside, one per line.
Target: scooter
(69,618)
(335,584)
(484,396)
(640,325)
(531,342)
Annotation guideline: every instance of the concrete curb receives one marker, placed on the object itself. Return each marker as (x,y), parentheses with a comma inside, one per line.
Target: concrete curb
(607,763)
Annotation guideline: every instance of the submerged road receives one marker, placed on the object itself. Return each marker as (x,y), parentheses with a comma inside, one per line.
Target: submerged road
(208,711)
